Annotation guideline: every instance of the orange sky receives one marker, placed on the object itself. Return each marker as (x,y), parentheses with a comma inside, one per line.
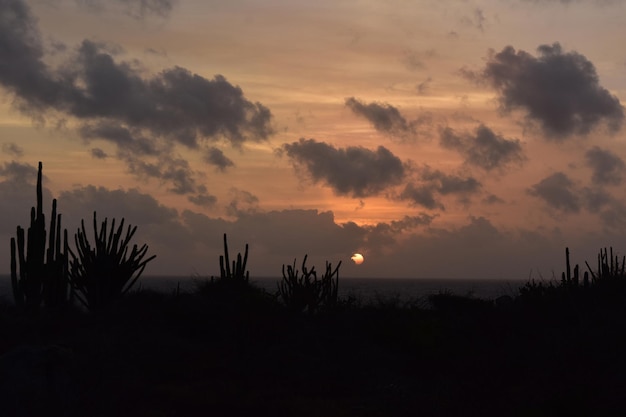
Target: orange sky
(426,144)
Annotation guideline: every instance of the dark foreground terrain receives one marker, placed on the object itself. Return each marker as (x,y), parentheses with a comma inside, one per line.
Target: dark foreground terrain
(221,353)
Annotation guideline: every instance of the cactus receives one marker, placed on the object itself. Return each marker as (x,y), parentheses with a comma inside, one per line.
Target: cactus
(42,272)
(608,266)
(101,274)
(306,292)
(238,272)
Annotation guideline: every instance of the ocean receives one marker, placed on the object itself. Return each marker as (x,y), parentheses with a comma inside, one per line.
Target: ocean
(363,289)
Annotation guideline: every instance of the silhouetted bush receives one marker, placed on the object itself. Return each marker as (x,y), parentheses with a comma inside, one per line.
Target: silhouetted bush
(101,274)
(306,292)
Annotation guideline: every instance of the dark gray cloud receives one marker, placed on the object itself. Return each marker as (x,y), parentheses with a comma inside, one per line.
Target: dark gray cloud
(17,193)
(560,91)
(484,148)
(383,235)
(176,104)
(493,199)
(115,101)
(137,9)
(559,192)
(98,153)
(22,70)
(203,200)
(423,87)
(383,116)
(177,173)
(216,157)
(608,168)
(421,195)
(129,141)
(430,184)
(136,207)
(242,203)
(277,237)
(12,149)
(352,171)
(449,184)
(597,198)
(387,119)
(18,173)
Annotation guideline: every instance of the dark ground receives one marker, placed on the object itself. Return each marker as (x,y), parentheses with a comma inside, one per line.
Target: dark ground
(244,355)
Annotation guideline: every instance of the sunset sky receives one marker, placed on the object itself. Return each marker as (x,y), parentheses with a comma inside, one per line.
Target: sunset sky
(453,139)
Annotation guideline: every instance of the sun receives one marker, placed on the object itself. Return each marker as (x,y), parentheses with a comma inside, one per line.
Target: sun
(357,258)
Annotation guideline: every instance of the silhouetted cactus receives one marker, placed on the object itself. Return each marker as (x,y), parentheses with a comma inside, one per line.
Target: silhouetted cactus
(608,266)
(42,273)
(101,274)
(238,271)
(306,292)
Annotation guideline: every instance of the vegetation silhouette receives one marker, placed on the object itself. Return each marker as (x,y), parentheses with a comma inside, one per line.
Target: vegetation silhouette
(230,348)
(102,274)
(42,277)
(307,293)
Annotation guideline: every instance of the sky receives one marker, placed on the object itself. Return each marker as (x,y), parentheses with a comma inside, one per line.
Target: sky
(440,139)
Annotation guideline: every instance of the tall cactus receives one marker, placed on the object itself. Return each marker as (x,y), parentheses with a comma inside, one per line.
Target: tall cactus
(238,272)
(42,272)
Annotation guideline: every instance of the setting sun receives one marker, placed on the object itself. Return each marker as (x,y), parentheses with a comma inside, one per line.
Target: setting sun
(357,258)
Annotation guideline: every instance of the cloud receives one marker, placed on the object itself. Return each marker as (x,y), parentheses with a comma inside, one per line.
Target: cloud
(12,149)
(493,199)
(352,171)
(608,168)
(137,9)
(476,20)
(216,157)
(203,200)
(414,60)
(484,148)
(387,119)
(24,174)
(21,51)
(430,183)
(242,203)
(98,153)
(423,87)
(595,199)
(382,235)
(384,117)
(145,116)
(567,2)
(137,207)
(559,91)
(17,192)
(421,195)
(558,191)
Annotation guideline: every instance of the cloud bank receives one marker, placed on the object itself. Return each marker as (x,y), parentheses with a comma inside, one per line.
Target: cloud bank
(144,116)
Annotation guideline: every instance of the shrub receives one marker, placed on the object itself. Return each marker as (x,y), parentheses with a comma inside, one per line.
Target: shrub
(101,274)
(306,292)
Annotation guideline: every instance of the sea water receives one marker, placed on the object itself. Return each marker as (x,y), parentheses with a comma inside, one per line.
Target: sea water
(363,289)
